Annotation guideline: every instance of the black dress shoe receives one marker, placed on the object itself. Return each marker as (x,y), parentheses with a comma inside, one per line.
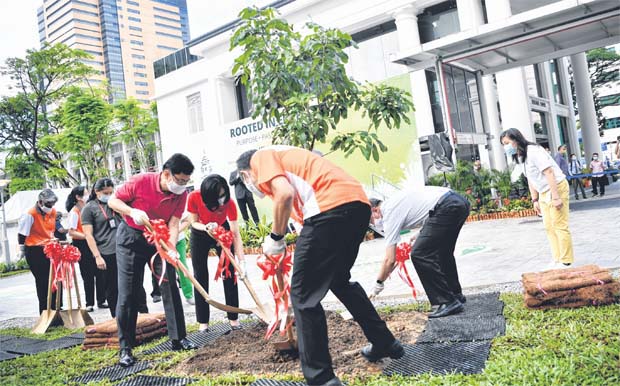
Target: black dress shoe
(183,344)
(394,351)
(156,298)
(333,382)
(461,298)
(126,358)
(447,309)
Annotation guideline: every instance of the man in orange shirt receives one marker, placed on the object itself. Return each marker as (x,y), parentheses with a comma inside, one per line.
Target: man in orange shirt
(34,230)
(335,212)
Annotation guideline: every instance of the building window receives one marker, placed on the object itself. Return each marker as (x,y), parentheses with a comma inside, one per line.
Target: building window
(165,11)
(563,126)
(168,35)
(194,113)
(168,26)
(141,92)
(137,42)
(167,18)
(534,84)
(131,27)
(558,95)
(167,48)
(539,120)
(433,92)
(438,21)
(609,100)
(141,84)
(131,18)
(244,106)
(133,11)
(612,123)
(133,3)
(139,74)
(138,65)
(136,56)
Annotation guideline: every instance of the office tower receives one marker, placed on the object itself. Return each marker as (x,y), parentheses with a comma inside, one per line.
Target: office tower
(124,37)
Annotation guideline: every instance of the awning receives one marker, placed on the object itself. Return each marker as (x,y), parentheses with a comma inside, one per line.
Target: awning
(545,33)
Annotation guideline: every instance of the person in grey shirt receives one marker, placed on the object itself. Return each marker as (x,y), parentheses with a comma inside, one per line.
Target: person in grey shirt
(560,159)
(442,213)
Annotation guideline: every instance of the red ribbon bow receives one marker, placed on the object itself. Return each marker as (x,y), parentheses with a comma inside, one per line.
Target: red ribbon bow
(62,259)
(403,253)
(161,235)
(225,238)
(272,266)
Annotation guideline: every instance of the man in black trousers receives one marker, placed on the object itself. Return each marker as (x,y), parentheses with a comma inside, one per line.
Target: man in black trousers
(443,213)
(149,196)
(245,198)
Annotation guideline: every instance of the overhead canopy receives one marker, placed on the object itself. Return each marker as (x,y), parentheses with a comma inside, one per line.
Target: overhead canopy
(545,33)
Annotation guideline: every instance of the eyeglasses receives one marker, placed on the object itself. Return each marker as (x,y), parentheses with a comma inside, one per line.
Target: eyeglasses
(181,181)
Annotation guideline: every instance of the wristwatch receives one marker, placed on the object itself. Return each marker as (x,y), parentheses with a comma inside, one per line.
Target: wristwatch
(276,237)
(379,281)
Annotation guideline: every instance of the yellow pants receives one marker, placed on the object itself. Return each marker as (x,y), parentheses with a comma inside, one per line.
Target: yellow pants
(556,224)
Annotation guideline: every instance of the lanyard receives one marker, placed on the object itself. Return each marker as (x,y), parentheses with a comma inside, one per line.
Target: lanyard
(103,211)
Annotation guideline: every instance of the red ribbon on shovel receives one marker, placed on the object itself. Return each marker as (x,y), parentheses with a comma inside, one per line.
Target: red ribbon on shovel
(158,234)
(225,238)
(403,253)
(271,266)
(62,258)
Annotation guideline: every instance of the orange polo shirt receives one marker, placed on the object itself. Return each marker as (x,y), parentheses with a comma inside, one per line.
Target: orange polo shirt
(319,184)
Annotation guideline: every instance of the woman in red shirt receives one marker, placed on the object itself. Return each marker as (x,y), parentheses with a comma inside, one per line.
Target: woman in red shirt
(212,204)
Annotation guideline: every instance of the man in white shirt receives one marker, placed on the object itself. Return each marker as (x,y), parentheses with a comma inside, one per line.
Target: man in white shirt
(442,213)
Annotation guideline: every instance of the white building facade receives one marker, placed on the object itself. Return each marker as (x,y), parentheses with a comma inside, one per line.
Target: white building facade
(474,67)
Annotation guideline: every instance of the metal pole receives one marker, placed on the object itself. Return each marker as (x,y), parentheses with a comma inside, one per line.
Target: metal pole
(5,246)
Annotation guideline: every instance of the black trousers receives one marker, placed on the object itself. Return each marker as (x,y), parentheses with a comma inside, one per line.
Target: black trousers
(326,250)
(600,181)
(244,204)
(132,253)
(433,251)
(91,276)
(200,243)
(111,279)
(576,185)
(40,268)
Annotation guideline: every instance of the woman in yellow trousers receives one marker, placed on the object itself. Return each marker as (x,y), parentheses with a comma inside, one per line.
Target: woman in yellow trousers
(549,190)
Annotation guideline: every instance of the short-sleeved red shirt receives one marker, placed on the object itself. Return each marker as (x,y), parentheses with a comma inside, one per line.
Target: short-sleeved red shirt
(142,191)
(205,216)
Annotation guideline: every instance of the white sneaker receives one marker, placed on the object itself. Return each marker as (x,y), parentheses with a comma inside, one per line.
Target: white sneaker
(553,265)
(190,301)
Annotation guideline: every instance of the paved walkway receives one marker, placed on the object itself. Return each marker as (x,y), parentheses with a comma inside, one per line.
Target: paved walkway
(488,252)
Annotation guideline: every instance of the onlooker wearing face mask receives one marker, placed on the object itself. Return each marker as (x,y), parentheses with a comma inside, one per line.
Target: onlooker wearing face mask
(574,168)
(149,196)
(598,175)
(212,206)
(549,189)
(34,230)
(88,268)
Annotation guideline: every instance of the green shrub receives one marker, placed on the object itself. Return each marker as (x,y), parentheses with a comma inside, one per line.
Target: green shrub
(21,264)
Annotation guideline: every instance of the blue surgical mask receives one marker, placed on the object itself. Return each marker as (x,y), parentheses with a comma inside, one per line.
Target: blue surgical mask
(509,150)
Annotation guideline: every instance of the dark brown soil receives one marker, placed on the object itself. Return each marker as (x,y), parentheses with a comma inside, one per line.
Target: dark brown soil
(246,350)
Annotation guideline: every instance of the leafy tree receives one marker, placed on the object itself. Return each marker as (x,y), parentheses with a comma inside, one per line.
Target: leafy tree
(87,135)
(138,128)
(43,78)
(302,83)
(26,173)
(603,66)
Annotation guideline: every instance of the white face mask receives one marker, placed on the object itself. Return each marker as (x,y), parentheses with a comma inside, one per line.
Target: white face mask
(104,197)
(221,200)
(175,188)
(573,158)
(45,209)
(250,185)
(379,225)
(595,157)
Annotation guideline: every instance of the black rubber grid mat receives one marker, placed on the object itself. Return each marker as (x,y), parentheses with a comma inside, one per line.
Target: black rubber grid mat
(77,335)
(17,344)
(441,358)
(47,345)
(199,338)
(4,356)
(149,380)
(4,338)
(462,329)
(113,373)
(481,306)
(269,382)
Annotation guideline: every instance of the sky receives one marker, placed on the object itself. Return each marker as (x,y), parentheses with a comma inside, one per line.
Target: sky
(18,24)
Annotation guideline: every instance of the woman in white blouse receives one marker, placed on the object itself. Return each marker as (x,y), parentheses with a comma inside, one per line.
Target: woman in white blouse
(549,190)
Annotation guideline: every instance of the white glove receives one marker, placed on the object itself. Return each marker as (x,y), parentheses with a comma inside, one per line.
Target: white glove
(272,247)
(173,254)
(22,252)
(377,289)
(139,216)
(211,226)
(243,264)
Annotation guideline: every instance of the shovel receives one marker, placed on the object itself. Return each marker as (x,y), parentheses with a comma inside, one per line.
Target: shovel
(201,290)
(290,344)
(48,316)
(262,310)
(79,317)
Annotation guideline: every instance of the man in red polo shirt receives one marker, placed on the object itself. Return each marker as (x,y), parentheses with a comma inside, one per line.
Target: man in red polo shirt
(149,196)
(335,213)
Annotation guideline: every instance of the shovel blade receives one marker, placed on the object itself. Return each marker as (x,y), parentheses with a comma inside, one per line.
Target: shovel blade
(76,319)
(286,345)
(45,321)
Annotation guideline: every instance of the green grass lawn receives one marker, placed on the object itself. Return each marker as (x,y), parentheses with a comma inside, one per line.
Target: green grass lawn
(557,347)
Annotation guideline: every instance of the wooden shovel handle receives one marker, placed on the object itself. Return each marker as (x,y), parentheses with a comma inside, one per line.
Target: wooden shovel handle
(77,289)
(49,289)
(198,286)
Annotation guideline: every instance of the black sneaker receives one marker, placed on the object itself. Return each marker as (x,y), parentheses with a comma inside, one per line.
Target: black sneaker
(394,351)
(156,298)
(461,298)
(447,309)
(183,344)
(103,305)
(126,358)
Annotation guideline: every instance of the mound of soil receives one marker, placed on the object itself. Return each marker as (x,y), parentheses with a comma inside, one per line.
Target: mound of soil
(246,350)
